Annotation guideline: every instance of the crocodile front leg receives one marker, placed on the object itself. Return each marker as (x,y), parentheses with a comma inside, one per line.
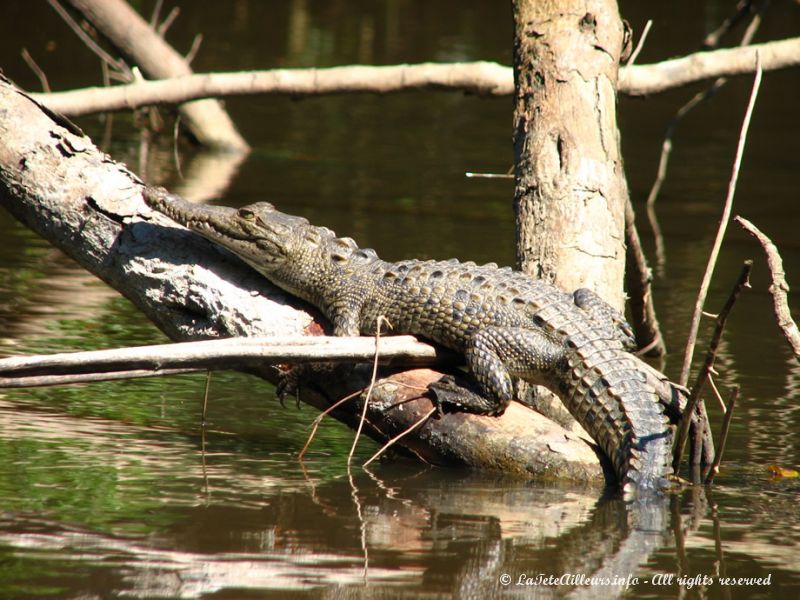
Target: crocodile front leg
(495,355)
(345,323)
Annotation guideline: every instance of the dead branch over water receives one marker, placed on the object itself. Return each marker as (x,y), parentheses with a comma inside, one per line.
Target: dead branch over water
(134,37)
(779,288)
(73,367)
(482,78)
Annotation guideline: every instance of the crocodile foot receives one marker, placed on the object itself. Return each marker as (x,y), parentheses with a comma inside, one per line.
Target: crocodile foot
(462,396)
(289,384)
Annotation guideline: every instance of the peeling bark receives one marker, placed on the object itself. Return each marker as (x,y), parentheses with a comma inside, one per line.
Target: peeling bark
(570,187)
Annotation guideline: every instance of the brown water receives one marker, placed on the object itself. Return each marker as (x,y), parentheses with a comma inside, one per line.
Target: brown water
(111,490)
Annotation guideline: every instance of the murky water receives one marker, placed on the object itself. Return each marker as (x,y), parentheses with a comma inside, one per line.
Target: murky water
(113,490)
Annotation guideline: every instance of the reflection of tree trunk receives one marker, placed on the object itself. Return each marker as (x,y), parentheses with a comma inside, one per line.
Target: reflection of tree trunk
(570,185)
(205,119)
(57,183)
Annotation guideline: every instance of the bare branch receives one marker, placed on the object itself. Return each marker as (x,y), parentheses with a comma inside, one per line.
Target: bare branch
(482,78)
(133,36)
(779,288)
(723,436)
(37,70)
(651,79)
(723,225)
(18,371)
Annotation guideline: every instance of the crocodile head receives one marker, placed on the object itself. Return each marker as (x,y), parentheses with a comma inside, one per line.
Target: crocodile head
(263,236)
(284,248)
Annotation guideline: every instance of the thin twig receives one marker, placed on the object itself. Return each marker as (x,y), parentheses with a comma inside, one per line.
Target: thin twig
(175,153)
(205,397)
(712,259)
(778,288)
(168,21)
(400,436)
(156,13)
(380,321)
(361,521)
(316,423)
(694,399)
(712,384)
(640,45)
(473,175)
(198,39)
(723,436)
(743,7)
(37,70)
(666,146)
(119,65)
(638,283)
(28,381)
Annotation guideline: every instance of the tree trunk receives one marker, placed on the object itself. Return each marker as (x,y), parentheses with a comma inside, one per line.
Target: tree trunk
(570,186)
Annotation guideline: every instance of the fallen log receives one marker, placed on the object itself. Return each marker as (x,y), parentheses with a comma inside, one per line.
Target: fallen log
(55,181)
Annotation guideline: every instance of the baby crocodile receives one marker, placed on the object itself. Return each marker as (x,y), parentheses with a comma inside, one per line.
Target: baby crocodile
(507,324)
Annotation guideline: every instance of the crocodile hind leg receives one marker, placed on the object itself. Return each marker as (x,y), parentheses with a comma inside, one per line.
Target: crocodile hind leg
(495,355)
(602,313)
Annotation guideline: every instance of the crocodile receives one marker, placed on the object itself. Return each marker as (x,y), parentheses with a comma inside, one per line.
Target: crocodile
(506,324)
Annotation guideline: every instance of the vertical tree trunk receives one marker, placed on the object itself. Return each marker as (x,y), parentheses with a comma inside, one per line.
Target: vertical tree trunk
(570,185)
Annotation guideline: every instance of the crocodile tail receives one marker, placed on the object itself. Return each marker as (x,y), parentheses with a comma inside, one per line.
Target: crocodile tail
(612,401)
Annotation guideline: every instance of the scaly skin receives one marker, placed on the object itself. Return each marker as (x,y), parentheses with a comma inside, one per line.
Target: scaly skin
(506,324)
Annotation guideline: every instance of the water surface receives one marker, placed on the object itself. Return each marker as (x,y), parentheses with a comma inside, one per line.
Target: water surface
(114,489)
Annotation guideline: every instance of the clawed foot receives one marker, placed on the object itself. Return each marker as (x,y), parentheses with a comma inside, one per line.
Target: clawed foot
(290,380)
(449,396)
(289,384)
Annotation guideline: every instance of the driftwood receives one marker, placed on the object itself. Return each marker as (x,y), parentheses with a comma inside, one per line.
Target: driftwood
(54,180)
(481,78)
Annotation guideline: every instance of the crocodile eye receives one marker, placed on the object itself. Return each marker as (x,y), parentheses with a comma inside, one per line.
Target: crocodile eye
(247,214)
